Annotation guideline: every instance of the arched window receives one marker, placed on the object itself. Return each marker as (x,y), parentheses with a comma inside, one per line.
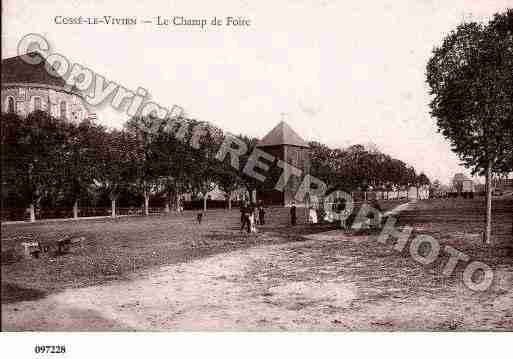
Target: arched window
(11,106)
(63,109)
(37,104)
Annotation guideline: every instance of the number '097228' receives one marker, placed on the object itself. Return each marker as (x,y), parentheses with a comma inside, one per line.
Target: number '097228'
(50,349)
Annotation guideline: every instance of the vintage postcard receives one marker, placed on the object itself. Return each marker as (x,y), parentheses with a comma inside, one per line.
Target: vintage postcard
(242,166)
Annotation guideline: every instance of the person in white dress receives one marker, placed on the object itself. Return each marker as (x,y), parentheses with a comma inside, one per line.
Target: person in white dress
(312,214)
(252,224)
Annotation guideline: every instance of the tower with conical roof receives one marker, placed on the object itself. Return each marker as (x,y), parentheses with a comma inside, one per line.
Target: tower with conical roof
(285,145)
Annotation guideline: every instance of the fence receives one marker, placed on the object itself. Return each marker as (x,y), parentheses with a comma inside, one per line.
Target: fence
(22,214)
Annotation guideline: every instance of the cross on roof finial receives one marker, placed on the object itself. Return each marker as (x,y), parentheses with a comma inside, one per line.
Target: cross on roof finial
(283,115)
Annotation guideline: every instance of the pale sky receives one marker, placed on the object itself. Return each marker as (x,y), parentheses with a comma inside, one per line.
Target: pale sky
(344,72)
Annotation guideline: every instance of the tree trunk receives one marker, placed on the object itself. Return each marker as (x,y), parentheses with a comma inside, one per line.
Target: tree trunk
(204,203)
(113,207)
(32,212)
(75,209)
(230,202)
(146,203)
(488,224)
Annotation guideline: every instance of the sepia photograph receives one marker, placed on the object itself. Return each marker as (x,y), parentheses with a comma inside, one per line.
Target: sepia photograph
(299,166)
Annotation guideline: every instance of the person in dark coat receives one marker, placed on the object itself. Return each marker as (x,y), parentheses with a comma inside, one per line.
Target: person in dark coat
(261,214)
(245,222)
(242,209)
(293,217)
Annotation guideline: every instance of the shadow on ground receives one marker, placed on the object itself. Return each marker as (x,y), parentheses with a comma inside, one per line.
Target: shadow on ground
(12,293)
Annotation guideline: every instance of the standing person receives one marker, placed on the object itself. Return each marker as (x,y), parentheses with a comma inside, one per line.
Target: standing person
(293,217)
(376,217)
(245,213)
(242,209)
(312,216)
(180,205)
(343,213)
(261,214)
(252,220)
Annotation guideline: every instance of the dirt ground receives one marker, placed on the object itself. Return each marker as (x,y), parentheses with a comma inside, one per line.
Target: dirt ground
(295,286)
(324,281)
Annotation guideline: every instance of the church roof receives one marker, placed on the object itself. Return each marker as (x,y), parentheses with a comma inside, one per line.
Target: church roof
(282,134)
(14,69)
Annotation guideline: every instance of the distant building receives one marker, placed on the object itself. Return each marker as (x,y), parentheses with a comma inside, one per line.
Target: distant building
(440,191)
(503,185)
(27,88)
(457,183)
(286,145)
(421,192)
(217,194)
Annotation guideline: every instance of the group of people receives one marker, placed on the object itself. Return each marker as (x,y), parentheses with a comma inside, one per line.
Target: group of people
(250,215)
(253,215)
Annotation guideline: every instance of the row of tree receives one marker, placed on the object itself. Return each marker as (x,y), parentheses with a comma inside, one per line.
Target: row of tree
(51,162)
(360,168)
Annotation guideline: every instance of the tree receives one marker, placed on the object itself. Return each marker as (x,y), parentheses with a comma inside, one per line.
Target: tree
(358,168)
(116,164)
(145,155)
(204,143)
(323,163)
(249,182)
(83,145)
(228,181)
(176,166)
(33,156)
(503,27)
(505,164)
(472,87)
(11,150)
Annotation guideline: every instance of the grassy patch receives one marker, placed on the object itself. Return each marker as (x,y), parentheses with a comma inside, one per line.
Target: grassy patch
(116,249)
